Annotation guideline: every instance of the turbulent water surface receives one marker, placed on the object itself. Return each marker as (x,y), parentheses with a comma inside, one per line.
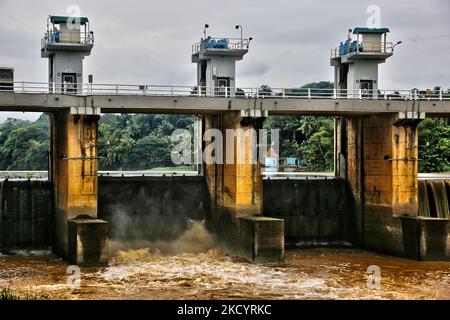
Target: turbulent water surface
(193,268)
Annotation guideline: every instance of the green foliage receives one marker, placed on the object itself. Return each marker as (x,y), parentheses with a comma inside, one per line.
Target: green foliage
(319,85)
(434,145)
(24,145)
(138,142)
(317,150)
(308,138)
(125,142)
(6,294)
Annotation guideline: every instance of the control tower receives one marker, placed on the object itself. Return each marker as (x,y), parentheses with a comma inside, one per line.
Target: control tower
(67,41)
(216,64)
(356,61)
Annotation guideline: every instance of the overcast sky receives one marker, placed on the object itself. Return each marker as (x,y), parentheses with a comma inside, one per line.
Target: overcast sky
(146,41)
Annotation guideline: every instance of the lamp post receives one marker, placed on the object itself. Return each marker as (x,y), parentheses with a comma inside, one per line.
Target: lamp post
(400,42)
(239,27)
(204,30)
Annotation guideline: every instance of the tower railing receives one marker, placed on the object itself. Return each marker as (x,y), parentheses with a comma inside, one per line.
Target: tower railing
(362,47)
(87,89)
(220,43)
(67,37)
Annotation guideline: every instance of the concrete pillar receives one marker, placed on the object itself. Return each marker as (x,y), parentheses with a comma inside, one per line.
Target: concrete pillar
(235,187)
(74,173)
(382,170)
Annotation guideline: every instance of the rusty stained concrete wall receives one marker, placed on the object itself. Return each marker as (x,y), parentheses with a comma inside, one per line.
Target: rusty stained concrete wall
(382,170)
(390,164)
(235,189)
(74,179)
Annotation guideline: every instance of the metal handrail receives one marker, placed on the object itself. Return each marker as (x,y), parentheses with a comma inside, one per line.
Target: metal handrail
(365,46)
(232,44)
(89,89)
(67,37)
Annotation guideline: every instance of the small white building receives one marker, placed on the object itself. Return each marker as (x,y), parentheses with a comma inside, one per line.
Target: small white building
(216,64)
(356,61)
(65,44)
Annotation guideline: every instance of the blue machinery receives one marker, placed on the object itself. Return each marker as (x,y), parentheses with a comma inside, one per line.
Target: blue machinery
(53,36)
(210,43)
(349,46)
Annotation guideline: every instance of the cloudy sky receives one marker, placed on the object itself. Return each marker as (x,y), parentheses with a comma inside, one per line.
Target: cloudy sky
(147,41)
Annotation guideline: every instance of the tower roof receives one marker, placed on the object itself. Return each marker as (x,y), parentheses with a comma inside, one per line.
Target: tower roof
(64,19)
(370,30)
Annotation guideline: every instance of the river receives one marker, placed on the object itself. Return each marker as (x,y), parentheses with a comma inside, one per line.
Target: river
(193,268)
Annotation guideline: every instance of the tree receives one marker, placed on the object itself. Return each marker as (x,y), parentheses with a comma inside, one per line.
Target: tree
(434,145)
(317,150)
(265,91)
(308,138)
(139,142)
(153,151)
(25,148)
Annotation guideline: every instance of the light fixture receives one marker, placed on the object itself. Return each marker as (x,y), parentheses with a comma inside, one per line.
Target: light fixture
(204,30)
(238,26)
(399,42)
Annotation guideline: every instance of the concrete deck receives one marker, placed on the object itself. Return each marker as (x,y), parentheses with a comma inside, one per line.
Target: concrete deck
(96,104)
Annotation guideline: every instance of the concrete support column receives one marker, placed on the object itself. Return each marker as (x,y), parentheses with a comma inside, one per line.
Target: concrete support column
(236,185)
(235,188)
(74,173)
(382,170)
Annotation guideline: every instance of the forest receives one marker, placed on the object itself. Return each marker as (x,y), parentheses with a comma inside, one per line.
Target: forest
(143,141)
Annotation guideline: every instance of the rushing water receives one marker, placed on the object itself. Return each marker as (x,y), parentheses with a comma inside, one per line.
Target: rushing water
(193,268)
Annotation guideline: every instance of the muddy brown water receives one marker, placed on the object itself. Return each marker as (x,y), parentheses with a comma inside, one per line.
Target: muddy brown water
(306,274)
(193,267)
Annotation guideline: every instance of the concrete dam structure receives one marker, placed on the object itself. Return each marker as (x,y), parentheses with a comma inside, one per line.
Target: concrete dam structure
(316,213)
(375,201)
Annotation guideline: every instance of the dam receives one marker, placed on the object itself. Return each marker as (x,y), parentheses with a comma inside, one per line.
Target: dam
(317,212)
(374,199)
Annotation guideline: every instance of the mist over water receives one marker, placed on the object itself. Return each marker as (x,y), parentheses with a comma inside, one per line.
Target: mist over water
(143,211)
(195,239)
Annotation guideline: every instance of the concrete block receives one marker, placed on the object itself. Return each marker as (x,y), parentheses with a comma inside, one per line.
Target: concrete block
(262,238)
(88,242)
(426,238)
(382,230)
